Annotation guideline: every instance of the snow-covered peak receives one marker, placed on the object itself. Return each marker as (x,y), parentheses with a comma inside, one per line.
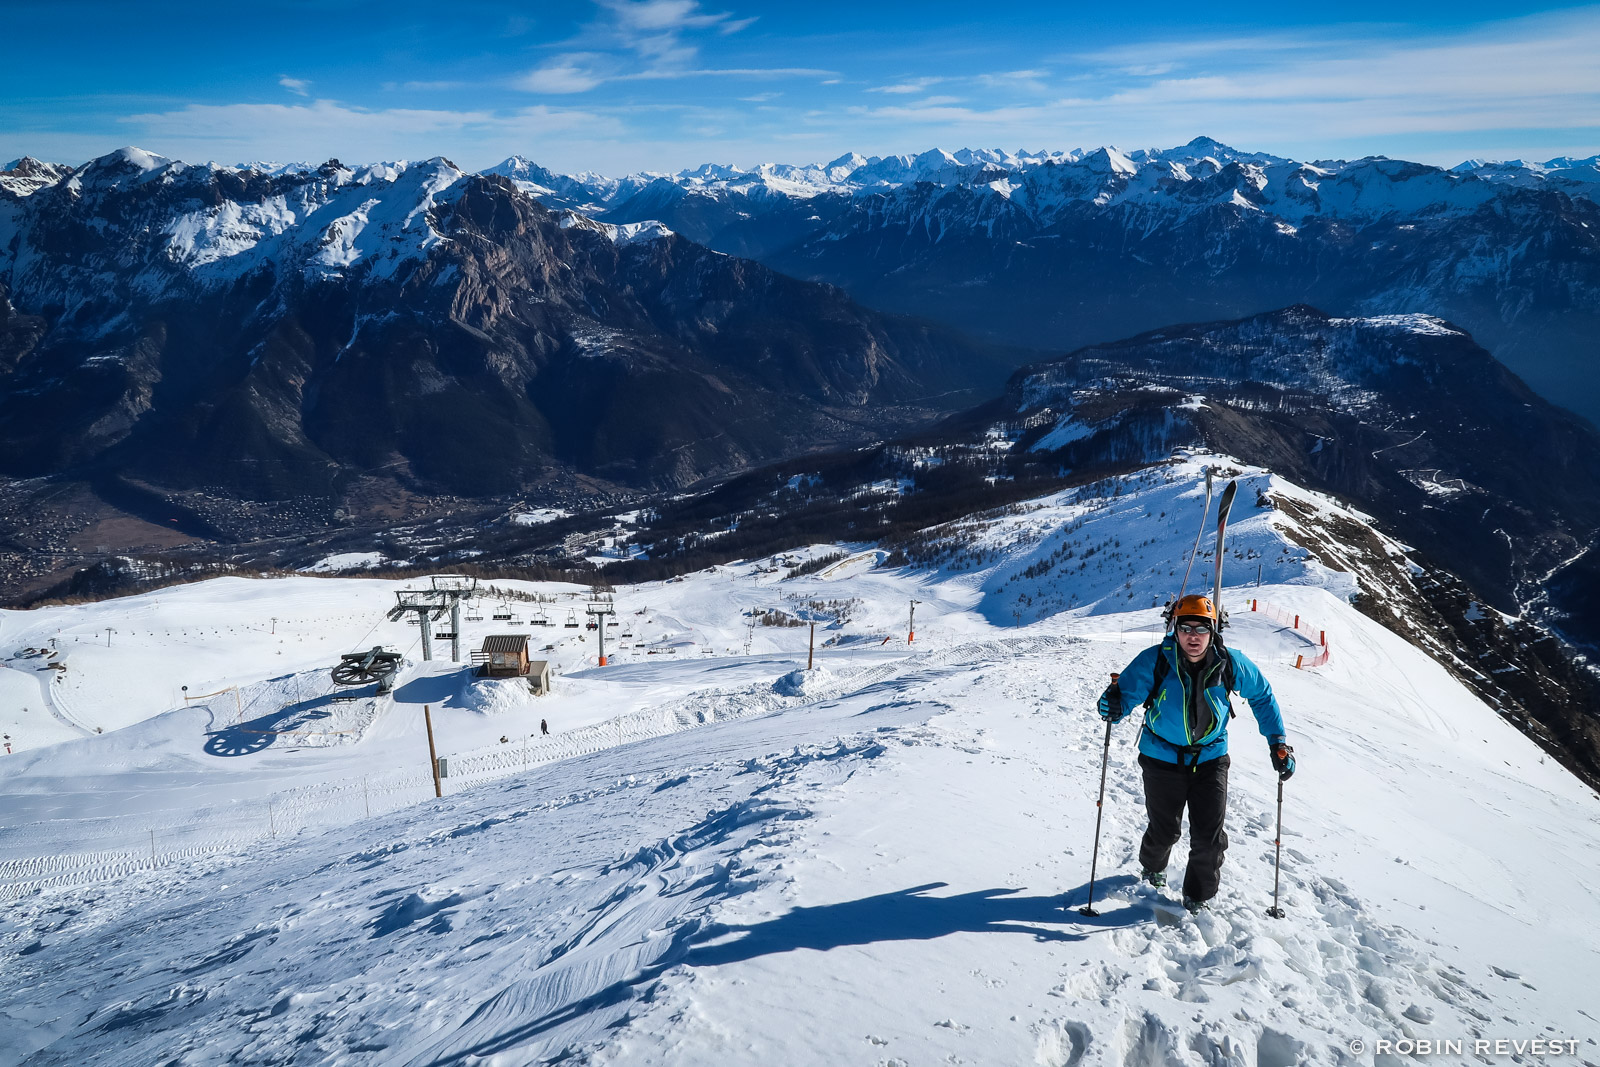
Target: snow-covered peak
(277,170)
(630,233)
(27,175)
(1430,325)
(840,169)
(135,157)
(117,168)
(638,232)
(713,172)
(389,230)
(1560,171)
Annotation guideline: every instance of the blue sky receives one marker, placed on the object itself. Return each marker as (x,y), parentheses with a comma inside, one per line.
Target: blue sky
(622,85)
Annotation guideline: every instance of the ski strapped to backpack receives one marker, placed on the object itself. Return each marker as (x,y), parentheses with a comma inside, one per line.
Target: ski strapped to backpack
(1222,530)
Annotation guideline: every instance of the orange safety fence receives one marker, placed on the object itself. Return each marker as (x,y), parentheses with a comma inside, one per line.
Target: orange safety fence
(1293,621)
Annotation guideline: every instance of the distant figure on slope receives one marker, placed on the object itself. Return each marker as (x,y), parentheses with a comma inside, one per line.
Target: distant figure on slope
(544,727)
(1183,745)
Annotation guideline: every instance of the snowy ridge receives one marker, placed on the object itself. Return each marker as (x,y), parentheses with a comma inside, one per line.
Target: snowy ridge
(1341,359)
(898,843)
(1040,184)
(321,223)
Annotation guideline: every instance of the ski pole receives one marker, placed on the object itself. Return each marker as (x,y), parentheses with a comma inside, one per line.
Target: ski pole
(1277,858)
(1099,809)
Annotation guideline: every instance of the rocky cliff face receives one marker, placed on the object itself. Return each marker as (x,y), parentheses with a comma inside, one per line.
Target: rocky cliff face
(283,336)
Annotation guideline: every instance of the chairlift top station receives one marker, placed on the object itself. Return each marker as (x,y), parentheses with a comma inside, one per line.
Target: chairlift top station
(445,594)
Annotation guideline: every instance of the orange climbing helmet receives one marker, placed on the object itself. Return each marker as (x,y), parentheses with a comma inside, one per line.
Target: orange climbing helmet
(1196,606)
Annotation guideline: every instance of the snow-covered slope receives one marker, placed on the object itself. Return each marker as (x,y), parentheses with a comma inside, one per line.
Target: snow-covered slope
(717,857)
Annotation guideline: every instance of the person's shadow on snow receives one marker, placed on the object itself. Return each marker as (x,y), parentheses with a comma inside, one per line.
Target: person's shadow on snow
(913,915)
(904,915)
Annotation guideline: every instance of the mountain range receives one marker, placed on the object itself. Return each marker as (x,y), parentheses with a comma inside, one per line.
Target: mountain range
(1056,250)
(286,335)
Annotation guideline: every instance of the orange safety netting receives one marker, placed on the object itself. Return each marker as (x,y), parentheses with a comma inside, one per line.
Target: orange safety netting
(1293,621)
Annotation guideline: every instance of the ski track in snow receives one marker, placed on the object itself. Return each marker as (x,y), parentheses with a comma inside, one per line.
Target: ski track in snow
(880,862)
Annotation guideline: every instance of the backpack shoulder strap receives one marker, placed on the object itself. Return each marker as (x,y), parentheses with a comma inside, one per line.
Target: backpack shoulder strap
(1228,680)
(1160,675)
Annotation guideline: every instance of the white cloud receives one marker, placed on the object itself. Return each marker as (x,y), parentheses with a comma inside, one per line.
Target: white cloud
(651,32)
(294,85)
(1032,80)
(730,72)
(424,86)
(654,16)
(572,73)
(915,85)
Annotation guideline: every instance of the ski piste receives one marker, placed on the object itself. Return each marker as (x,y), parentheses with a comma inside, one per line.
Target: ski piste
(1198,534)
(1222,531)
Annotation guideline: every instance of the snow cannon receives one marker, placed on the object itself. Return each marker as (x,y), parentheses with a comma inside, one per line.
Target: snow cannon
(363,668)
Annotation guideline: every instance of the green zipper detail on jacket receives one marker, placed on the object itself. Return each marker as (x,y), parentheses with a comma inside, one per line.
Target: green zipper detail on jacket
(1205,684)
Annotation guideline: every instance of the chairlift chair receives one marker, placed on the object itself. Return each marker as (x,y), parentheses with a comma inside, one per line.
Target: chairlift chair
(541,619)
(503,612)
(572,619)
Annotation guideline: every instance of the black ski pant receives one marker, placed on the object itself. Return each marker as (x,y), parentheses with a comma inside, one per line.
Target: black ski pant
(1168,788)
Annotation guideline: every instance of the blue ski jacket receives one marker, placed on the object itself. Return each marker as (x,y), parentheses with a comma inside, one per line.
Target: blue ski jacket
(1168,731)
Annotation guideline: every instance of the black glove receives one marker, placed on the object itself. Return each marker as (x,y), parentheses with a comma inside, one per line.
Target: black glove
(1282,758)
(1110,706)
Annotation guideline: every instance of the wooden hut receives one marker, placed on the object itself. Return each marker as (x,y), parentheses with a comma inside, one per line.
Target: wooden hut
(503,656)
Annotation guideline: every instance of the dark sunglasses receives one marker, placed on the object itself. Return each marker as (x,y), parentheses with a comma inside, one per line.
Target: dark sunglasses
(1194,627)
